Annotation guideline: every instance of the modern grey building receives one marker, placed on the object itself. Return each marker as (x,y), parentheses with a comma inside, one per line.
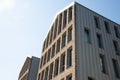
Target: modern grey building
(81,45)
(30,69)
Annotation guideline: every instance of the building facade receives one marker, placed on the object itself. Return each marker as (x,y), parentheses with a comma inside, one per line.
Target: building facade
(30,69)
(81,45)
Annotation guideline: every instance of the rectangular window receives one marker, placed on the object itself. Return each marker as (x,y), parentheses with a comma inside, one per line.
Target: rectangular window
(63,39)
(65,19)
(46,74)
(99,41)
(51,34)
(116,67)
(70,34)
(55,27)
(53,51)
(51,71)
(70,14)
(42,77)
(97,23)
(58,46)
(48,56)
(47,42)
(62,62)
(39,76)
(45,59)
(69,57)
(117,33)
(43,47)
(87,36)
(60,23)
(89,78)
(41,62)
(69,77)
(103,64)
(56,67)
(107,28)
(116,47)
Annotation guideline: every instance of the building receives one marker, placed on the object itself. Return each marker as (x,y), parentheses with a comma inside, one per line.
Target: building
(30,69)
(81,45)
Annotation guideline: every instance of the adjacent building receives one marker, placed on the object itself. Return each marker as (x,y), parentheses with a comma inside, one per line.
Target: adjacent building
(30,69)
(81,45)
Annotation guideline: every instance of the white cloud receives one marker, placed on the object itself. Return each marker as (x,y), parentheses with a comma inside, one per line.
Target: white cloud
(7,5)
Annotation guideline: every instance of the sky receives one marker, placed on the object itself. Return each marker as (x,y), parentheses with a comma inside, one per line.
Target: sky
(24,25)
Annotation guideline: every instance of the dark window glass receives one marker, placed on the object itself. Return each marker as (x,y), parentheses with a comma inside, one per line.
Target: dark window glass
(51,71)
(69,57)
(63,39)
(51,34)
(70,34)
(87,36)
(70,14)
(107,28)
(89,78)
(103,64)
(46,74)
(116,67)
(69,77)
(97,23)
(42,77)
(55,28)
(62,62)
(48,56)
(99,41)
(41,62)
(58,46)
(53,51)
(56,67)
(117,33)
(116,47)
(44,58)
(65,19)
(60,23)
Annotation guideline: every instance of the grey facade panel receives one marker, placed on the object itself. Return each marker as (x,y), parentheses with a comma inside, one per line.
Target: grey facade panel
(88,63)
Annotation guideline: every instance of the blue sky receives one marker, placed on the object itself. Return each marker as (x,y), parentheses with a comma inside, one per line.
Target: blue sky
(25,23)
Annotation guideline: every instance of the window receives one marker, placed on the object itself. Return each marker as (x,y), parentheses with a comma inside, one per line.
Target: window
(47,41)
(58,46)
(87,36)
(69,77)
(41,61)
(39,77)
(116,47)
(116,67)
(46,74)
(107,27)
(51,34)
(89,78)
(42,77)
(43,46)
(97,23)
(48,56)
(103,64)
(70,14)
(70,34)
(56,67)
(51,71)
(53,51)
(55,28)
(44,58)
(60,23)
(99,41)
(117,33)
(62,62)
(69,57)
(63,39)
(65,19)
(62,79)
